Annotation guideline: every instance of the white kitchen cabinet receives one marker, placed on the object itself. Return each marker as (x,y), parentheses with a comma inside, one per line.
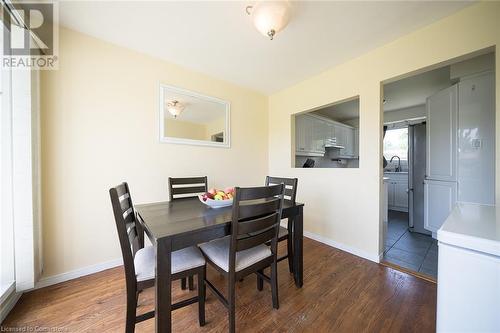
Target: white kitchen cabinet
(397,191)
(442,127)
(345,138)
(300,134)
(349,142)
(312,133)
(340,134)
(401,195)
(319,135)
(307,140)
(468,292)
(356,142)
(440,198)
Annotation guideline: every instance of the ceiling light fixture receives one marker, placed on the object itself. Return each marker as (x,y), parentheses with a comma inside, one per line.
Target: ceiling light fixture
(270,17)
(175,108)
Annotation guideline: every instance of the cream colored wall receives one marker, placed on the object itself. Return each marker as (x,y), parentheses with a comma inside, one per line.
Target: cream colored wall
(343,205)
(184,129)
(100,127)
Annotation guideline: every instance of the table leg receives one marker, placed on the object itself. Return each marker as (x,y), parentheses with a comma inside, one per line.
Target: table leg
(163,293)
(298,247)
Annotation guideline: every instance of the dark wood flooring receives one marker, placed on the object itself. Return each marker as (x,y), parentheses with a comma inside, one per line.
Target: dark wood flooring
(341,293)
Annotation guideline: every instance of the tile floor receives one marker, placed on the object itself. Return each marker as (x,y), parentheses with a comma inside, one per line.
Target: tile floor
(413,251)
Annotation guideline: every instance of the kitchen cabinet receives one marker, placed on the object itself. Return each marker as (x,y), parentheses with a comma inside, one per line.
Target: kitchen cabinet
(397,191)
(356,142)
(313,132)
(319,135)
(348,142)
(340,134)
(469,270)
(440,198)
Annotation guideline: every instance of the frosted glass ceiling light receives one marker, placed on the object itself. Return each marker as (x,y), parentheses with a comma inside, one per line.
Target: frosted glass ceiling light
(175,108)
(270,17)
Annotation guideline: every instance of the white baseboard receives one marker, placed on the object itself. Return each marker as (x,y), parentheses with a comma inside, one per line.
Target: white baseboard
(357,252)
(51,280)
(8,305)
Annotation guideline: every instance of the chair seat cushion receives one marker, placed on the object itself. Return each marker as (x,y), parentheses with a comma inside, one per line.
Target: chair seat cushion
(218,252)
(283,232)
(182,260)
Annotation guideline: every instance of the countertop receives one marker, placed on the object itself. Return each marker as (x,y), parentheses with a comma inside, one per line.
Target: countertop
(395,173)
(472,226)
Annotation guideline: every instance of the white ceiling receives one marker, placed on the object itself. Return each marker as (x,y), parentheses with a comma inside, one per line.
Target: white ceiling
(218,38)
(342,111)
(414,90)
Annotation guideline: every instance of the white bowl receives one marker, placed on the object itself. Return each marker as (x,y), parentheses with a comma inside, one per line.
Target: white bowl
(216,203)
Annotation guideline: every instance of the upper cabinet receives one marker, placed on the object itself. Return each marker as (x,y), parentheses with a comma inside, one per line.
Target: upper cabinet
(309,139)
(313,133)
(442,135)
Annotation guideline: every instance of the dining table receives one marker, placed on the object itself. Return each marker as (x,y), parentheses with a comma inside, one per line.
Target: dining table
(177,224)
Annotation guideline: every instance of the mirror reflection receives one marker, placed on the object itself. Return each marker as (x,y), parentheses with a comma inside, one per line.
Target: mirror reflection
(191,118)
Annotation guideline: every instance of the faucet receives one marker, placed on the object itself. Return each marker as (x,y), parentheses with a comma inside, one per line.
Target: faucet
(398,168)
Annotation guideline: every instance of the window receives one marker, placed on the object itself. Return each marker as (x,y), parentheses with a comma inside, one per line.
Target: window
(7,273)
(396,143)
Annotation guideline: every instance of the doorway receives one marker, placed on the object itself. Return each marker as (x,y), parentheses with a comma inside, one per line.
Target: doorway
(407,243)
(437,150)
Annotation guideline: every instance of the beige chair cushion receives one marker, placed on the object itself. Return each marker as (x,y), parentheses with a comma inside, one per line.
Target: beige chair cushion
(182,260)
(282,232)
(218,252)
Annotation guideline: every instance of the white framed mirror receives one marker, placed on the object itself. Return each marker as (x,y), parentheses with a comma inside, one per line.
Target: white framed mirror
(187,117)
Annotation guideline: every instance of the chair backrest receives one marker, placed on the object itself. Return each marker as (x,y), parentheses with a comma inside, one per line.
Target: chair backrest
(256,217)
(187,187)
(129,231)
(290,186)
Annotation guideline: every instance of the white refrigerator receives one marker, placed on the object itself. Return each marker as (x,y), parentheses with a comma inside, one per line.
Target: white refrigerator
(460,134)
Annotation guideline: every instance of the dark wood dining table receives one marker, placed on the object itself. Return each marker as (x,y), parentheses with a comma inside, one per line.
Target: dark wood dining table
(174,225)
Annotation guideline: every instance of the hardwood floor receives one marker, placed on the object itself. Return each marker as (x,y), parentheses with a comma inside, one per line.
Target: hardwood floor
(341,293)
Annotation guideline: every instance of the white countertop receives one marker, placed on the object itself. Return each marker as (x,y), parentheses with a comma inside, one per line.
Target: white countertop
(473,226)
(396,173)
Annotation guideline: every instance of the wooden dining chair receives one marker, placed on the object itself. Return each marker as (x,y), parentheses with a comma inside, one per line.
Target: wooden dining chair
(286,234)
(140,262)
(255,220)
(187,187)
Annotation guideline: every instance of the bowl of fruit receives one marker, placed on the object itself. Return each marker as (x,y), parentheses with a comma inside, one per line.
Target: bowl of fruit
(215,198)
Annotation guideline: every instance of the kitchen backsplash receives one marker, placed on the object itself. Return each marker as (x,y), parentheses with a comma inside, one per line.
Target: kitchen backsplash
(326,162)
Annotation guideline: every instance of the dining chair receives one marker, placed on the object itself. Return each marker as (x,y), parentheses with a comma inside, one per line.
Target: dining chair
(256,214)
(286,234)
(187,187)
(140,262)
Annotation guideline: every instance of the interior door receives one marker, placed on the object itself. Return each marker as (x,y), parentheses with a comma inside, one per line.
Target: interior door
(442,134)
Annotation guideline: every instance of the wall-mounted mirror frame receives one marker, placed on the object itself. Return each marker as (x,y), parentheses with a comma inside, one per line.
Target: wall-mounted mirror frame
(163,127)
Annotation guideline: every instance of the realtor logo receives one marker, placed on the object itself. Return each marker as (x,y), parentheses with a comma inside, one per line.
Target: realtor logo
(30,34)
